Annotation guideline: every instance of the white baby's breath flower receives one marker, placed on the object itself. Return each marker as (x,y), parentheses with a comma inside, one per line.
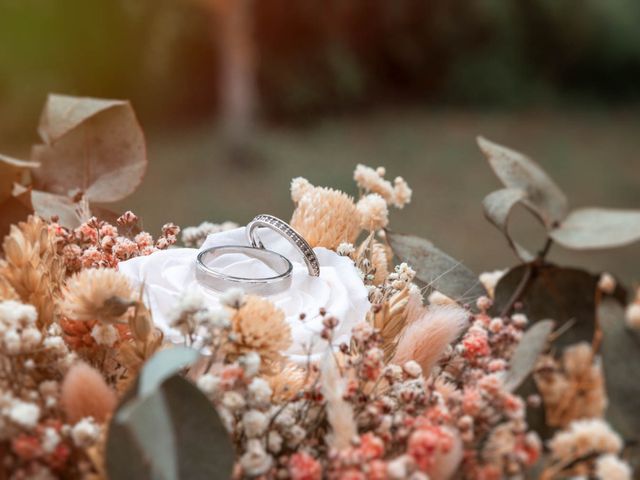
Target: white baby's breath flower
(55,344)
(412,368)
(17,313)
(299,187)
(259,392)
(233,401)
(255,460)
(12,341)
(31,338)
(217,317)
(233,298)
(189,303)
(48,387)
(274,442)
(489,280)
(255,423)
(610,467)
(632,316)
(345,249)
(85,432)
(607,283)
(398,469)
(209,384)
(106,335)
(250,362)
(25,414)
(50,440)
(295,436)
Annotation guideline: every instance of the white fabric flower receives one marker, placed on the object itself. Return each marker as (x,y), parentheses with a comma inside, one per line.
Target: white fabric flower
(339,289)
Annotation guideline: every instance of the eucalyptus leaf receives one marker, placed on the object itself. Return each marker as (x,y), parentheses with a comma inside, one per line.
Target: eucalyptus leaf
(543,197)
(526,354)
(163,365)
(70,214)
(620,358)
(497,208)
(170,434)
(557,293)
(11,171)
(593,228)
(93,146)
(435,269)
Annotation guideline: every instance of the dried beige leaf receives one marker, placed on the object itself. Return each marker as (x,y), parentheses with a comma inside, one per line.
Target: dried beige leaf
(93,146)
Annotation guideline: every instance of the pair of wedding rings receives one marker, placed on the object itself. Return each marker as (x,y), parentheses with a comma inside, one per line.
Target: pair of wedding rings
(216,280)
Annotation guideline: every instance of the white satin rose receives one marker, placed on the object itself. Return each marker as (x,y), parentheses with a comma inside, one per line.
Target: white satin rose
(339,289)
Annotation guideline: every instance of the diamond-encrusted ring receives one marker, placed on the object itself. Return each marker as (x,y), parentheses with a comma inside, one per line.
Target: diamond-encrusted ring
(214,279)
(284,229)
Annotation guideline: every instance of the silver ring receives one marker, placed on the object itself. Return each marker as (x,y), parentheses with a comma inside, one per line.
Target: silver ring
(215,280)
(284,229)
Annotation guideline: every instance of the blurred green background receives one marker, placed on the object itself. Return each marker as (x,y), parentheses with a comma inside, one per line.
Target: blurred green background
(313,87)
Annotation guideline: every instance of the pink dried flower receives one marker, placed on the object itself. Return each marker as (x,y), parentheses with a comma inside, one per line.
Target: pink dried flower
(426,442)
(127,218)
(303,466)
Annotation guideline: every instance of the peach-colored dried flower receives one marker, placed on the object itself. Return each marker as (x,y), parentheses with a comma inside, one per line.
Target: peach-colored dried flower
(425,339)
(584,437)
(373,181)
(300,186)
(7,292)
(32,266)
(401,192)
(573,388)
(610,467)
(326,218)
(374,214)
(101,294)
(287,382)
(85,393)
(259,326)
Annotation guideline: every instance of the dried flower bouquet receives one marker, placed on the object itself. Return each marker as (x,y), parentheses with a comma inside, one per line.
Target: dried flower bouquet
(526,373)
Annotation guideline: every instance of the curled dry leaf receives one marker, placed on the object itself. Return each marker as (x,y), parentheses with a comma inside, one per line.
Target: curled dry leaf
(543,197)
(497,208)
(11,171)
(593,228)
(435,269)
(561,294)
(527,352)
(70,214)
(93,146)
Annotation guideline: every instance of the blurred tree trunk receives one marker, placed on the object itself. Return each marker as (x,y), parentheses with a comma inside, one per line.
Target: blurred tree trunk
(233,32)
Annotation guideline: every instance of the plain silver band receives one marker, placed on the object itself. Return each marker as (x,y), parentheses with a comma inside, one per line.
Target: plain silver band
(284,229)
(220,282)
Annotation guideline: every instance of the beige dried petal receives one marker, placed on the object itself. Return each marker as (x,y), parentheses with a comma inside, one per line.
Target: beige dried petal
(326,218)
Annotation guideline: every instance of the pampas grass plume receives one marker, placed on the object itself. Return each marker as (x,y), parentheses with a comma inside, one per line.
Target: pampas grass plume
(446,463)
(86,394)
(339,411)
(425,339)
